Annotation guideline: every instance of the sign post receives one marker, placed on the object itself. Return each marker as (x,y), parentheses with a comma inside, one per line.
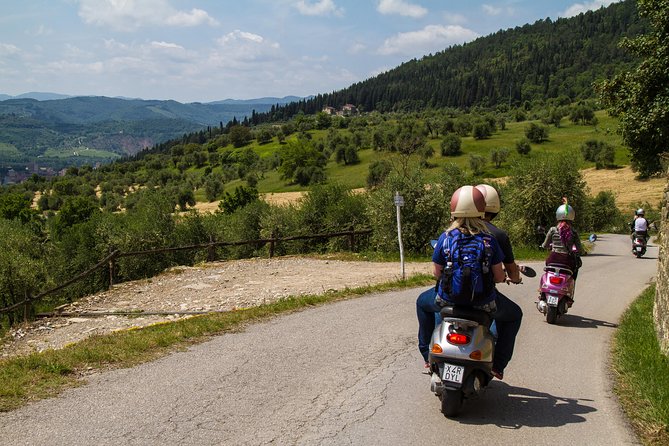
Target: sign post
(399,202)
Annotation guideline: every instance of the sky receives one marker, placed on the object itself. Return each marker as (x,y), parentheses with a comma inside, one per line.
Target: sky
(210,50)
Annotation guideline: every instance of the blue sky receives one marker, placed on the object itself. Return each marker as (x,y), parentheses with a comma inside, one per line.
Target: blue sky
(208,50)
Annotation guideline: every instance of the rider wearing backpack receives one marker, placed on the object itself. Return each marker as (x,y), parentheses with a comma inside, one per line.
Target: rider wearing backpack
(468,236)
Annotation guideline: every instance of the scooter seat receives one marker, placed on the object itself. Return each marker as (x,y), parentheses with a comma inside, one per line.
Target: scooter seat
(559,268)
(463,312)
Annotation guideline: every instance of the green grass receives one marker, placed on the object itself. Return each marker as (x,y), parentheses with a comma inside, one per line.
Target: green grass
(642,372)
(84,152)
(43,375)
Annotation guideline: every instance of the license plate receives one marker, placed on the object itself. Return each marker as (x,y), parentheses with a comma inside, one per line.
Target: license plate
(453,373)
(552,300)
(638,248)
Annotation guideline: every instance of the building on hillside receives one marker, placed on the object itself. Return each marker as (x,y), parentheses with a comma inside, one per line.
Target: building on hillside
(349,109)
(329,110)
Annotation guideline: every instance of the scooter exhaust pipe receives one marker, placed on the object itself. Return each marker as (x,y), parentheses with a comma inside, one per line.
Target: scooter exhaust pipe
(436,386)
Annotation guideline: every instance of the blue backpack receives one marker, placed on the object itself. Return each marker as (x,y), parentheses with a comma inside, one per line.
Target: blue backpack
(467,277)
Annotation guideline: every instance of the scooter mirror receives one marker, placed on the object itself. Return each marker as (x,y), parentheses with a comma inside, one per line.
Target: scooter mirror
(433,243)
(527,271)
(592,238)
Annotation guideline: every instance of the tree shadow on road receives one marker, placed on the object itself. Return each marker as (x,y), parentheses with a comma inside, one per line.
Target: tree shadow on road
(576,321)
(512,407)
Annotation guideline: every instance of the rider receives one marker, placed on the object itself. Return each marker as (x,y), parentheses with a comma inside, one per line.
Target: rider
(563,240)
(507,315)
(640,225)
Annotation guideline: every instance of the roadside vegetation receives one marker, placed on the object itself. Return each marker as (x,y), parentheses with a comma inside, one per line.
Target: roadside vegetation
(642,372)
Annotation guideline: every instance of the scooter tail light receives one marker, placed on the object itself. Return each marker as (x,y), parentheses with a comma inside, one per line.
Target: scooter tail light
(476,355)
(555,280)
(436,348)
(457,339)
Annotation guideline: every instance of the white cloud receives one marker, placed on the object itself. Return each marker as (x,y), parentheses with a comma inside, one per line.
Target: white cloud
(320,8)
(578,8)
(240,47)
(7,49)
(128,15)
(429,39)
(491,10)
(357,48)
(401,7)
(497,10)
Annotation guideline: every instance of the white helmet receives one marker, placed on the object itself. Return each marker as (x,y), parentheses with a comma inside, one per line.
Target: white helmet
(492,202)
(639,211)
(467,201)
(565,212)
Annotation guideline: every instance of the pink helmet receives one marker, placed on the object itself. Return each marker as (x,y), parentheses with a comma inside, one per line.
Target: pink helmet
(467,201)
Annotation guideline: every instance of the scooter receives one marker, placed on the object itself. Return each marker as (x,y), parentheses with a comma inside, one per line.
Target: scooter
(638,245)
(461,354)
(556,292)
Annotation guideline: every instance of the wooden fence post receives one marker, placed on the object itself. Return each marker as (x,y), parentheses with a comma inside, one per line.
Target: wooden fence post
(271,244)
(211,250)
(111,271)
(27,307)
(351,239)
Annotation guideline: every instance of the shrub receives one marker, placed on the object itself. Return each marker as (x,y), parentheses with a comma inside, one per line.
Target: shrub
(536,133)
(523,146)
(451,145)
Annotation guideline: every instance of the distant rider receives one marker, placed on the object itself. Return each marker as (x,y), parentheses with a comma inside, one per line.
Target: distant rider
(563,240)
(639,225)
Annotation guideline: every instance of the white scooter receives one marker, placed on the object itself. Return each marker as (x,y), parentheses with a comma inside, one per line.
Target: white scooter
(461,354)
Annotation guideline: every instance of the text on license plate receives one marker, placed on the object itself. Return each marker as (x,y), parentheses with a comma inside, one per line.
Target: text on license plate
(552,300)
(453,373)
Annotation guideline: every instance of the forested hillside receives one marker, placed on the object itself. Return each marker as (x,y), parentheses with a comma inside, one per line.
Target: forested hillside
(86,130)
(547,59)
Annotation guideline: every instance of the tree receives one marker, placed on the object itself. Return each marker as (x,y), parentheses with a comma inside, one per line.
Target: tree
(301,162)
(640,97)
(536,133)
(450,145)
(498,156)
(15,205)
(523,146)
(238,199)
(476,164)
(599,152)
(239,135)
(378,171)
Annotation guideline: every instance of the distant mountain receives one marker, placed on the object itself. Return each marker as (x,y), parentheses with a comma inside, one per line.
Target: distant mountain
(103,128)
(42,96)
(270,100)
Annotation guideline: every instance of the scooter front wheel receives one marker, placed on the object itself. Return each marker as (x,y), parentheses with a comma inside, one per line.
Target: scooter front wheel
(451,402)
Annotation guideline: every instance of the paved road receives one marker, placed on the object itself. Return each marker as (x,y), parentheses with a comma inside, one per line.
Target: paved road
(350,374)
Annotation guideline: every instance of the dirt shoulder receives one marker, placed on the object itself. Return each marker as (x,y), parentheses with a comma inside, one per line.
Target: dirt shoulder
(216,286)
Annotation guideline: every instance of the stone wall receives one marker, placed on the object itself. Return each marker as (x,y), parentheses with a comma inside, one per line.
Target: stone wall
(661,309)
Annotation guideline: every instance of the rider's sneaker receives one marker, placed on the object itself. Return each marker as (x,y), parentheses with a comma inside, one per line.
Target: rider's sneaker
(497,374)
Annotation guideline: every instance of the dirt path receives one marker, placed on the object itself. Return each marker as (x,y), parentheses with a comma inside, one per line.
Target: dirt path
(216,286)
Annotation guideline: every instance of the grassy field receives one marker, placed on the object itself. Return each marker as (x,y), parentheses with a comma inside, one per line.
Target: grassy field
(84,152)
(568,137)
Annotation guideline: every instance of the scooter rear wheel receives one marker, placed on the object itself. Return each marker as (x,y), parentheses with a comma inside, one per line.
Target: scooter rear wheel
(551,314)
(451,402)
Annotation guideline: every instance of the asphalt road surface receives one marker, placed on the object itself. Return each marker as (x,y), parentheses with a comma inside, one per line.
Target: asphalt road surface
(350,373)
